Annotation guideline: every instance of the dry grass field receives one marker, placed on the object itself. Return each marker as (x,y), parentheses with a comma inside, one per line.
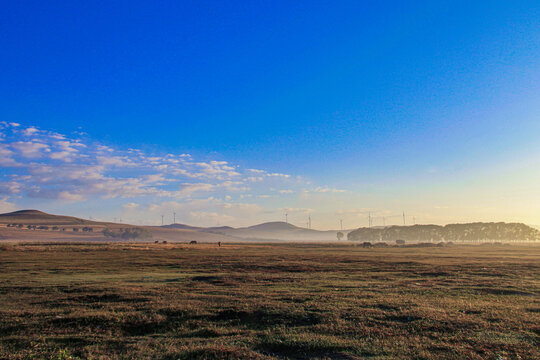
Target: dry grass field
(146,301)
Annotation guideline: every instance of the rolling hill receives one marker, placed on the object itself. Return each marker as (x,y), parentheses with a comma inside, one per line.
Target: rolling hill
(51,227)
(60,227)
(277,230)
(270,231)
(37,217)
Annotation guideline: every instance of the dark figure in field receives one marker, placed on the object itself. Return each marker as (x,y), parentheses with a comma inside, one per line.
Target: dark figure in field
(219,243)
(164,241)
(156,242)
(192,242)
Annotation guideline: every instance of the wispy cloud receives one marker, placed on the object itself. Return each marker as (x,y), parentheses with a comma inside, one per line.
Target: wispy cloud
(47,165)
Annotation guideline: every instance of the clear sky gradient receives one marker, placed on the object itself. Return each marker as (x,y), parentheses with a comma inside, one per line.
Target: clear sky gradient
(343,107)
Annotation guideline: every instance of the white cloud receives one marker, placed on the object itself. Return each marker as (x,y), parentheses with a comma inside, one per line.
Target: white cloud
(55,167)
(9,187)
(30,149)
(30,131)
(130,206)
(6,157)
(326,189)
(202,212)
(66,195)
(114,161)
(6,206)
(279,175)
(186,190)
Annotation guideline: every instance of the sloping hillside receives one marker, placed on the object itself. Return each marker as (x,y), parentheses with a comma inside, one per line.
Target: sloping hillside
(181,226)
(36,217)
(452,232)
(34,225)
(277,230)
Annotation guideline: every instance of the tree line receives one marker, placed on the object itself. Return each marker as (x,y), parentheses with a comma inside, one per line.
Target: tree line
(453,232)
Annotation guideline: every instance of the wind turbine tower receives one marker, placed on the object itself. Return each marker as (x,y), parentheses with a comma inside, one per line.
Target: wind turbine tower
(161,220)
(309,222)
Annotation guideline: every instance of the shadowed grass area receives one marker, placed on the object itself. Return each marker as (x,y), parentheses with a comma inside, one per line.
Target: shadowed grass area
(125,301)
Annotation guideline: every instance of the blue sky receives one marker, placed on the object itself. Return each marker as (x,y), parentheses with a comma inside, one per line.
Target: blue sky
(379,106)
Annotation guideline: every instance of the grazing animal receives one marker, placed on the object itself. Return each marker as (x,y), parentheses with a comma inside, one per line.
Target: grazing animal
(164,241)
(192,242)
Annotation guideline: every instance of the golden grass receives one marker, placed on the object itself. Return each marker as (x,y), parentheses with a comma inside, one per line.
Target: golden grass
(173,301)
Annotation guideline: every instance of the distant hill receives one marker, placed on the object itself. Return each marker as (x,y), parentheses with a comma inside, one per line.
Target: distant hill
(270,231)
(181,226)
(37,217)
(62,228)
(274,226)
(277,230)
(452,232)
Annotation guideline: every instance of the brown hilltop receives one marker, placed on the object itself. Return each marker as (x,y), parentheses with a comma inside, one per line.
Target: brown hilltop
(37,217)
(61,228)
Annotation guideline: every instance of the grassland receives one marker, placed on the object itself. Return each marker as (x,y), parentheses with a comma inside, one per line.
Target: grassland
(146,301)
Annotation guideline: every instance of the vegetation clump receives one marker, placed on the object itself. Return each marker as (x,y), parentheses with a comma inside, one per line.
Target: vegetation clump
(452,232)
(127,233)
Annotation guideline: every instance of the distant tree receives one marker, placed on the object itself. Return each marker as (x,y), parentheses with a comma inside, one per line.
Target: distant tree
(127,233)
(340,235)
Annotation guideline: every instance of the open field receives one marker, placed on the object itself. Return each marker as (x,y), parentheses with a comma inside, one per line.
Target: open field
(126,301)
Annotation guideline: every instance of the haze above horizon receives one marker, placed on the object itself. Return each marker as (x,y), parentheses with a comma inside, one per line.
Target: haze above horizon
(236,114)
